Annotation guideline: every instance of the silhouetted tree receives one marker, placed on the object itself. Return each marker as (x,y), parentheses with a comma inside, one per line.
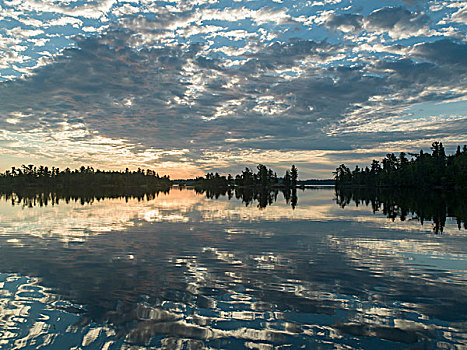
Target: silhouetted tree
(41,177)
(287,179)
(421,170)
(294,176)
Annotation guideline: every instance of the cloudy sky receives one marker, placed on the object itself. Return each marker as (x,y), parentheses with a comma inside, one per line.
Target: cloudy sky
(190,86)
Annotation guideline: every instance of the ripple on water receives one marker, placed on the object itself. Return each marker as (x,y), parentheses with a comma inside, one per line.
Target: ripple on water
(32,317)
(214,280)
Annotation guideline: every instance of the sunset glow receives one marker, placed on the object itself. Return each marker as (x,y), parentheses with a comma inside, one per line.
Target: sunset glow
(187,87)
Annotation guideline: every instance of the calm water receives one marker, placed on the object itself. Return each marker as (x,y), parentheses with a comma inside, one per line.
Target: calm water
(184,271)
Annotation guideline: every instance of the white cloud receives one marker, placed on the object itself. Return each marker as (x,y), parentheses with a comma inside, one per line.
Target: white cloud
(188,75)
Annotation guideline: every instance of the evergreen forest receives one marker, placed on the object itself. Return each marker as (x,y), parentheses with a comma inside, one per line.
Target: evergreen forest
(415,170)
(264,178)
(41,177)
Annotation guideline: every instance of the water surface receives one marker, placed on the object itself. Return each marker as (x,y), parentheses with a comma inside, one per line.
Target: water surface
(180,270)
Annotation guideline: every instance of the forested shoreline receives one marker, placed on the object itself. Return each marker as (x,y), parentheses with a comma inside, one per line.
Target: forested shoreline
(411,170)
(264,178)
(42,177)
(407,170)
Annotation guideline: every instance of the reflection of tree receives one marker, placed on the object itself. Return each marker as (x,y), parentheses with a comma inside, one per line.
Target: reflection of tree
(32,198)
(250,195)
(422,205)
(176,282)
(294,198)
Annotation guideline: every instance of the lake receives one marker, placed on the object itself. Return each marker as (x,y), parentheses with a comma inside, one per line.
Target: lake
(188,270)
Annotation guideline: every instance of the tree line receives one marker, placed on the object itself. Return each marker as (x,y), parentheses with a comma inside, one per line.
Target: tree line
(263,178)
(418,170)
(28,176)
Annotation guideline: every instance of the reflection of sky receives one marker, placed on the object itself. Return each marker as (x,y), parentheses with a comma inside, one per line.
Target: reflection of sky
(74,221)
(117,83)
(187,269)
(32,315)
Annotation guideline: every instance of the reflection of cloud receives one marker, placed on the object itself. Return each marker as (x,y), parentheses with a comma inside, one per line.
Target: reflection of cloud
(212,270)
(74,221)
(31,314)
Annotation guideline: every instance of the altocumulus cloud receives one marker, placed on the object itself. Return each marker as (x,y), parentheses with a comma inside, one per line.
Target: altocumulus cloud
(218,85)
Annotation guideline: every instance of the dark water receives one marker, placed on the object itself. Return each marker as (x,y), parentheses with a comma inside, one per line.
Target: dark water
(180,270)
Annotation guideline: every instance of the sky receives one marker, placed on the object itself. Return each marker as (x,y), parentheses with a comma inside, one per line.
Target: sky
(187,87)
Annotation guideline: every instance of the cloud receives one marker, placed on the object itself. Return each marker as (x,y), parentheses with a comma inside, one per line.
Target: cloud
(444,52)
(398,22)
(175,97)
(460,16)
(94,9)
(223,83)
(345,22)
